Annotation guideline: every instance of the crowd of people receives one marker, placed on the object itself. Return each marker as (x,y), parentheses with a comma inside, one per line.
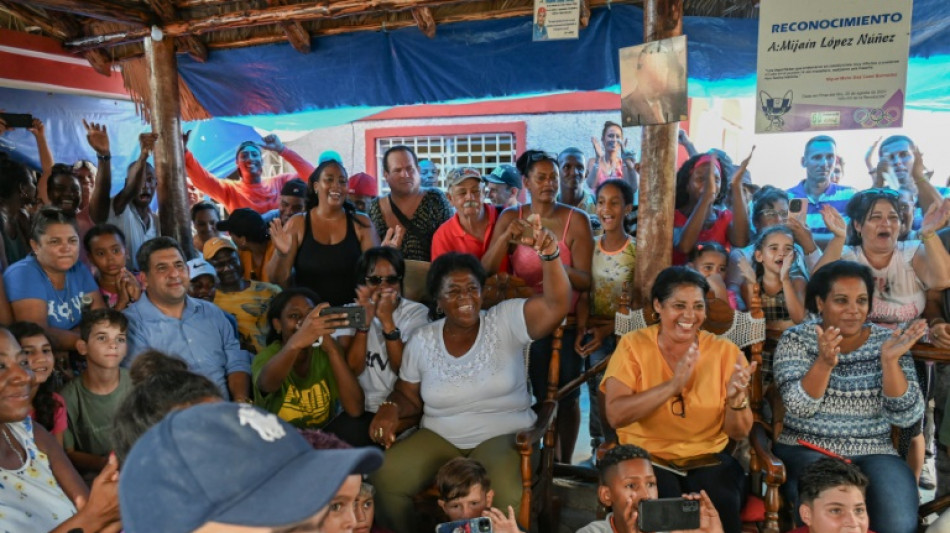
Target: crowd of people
(332,341)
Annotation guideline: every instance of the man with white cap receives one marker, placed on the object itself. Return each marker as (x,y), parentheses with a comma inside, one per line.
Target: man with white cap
(225,467)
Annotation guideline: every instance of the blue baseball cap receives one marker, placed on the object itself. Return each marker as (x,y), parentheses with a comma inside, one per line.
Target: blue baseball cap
(233,464)
(506,175)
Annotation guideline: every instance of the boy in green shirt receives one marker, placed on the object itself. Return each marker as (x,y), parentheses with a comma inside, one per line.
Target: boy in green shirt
(91,400)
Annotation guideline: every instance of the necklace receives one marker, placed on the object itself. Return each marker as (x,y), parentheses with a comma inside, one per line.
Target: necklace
(6,429)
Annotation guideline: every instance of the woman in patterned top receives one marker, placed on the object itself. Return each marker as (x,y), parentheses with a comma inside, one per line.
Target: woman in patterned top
(611,271)
(418,211)
(844,383)
(38,484)
(465,374)
(903,271)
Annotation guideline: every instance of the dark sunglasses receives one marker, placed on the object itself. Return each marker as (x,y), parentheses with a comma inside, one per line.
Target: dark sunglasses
(882,191)
(390,280)
(539,156)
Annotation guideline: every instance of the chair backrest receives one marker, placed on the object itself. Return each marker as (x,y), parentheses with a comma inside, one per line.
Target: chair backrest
(503,286)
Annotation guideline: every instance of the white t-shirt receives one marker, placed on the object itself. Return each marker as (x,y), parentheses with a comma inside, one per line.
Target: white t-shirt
(899,295)
(482,394)
(135,231)
(378,378)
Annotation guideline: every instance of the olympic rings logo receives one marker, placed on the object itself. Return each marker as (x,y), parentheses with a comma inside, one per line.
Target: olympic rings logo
(876,118)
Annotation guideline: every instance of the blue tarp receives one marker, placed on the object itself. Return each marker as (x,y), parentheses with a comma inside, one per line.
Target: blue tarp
(62,115)
(495,58)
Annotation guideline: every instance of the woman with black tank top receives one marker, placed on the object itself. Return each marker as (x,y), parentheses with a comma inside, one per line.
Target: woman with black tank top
(323,243)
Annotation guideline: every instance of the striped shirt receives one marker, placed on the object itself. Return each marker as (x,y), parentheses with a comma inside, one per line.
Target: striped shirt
(854,416)
(835,195)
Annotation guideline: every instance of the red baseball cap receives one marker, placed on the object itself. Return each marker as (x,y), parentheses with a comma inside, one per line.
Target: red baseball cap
(363,184)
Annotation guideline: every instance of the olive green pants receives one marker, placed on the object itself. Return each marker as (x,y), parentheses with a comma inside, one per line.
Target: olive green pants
(411,465)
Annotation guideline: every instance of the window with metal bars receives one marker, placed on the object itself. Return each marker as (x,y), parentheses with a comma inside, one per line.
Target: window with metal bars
(484,151)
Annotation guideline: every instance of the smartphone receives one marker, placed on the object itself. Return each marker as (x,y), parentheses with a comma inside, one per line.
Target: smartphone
(17,120)
(668,514)
(472,525)
(798,206)
(355,315)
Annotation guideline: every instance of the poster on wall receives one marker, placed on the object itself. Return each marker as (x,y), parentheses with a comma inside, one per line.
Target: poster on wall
(653,82)
(838,65)
(556,20)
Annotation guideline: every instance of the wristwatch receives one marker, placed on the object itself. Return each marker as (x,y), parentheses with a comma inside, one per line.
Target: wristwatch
(393,335)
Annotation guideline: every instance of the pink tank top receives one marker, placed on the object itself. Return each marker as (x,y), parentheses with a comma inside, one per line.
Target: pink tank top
(526,264)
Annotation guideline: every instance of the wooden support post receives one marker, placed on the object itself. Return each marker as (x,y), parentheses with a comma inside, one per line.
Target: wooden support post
(169,151)
(661,19)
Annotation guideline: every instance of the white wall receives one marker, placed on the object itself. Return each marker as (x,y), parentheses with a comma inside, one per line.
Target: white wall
(552,132)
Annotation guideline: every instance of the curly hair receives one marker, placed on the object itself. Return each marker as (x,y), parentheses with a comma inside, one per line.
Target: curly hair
(617,455)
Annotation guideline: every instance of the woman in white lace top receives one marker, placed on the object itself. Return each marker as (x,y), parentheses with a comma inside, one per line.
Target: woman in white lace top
(466,375)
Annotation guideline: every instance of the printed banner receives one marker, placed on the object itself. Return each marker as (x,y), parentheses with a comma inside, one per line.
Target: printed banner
(556,20)
(832,65)
(653,82)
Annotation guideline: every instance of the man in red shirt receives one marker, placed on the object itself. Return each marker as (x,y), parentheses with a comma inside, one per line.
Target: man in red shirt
(470,229)
(252,191)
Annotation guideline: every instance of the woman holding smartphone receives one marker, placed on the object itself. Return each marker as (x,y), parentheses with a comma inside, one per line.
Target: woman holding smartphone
(302,375)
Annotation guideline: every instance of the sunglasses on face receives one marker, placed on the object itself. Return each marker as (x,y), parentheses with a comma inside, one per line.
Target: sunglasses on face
(389,280)
(539,156)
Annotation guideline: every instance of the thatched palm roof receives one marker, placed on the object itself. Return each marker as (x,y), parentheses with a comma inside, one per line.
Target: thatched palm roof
(110,32)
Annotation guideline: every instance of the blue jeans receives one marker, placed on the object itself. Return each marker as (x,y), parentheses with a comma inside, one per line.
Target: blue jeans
(891,496)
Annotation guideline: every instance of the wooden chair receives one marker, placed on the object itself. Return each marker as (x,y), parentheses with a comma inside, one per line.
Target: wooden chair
(772,429)
(767,471)
(535,491)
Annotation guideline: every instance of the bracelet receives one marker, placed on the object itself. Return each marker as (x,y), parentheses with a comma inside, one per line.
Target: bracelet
(105,157)
(928,236)
(742,405)
(318,342)
(551,257)
(389,402)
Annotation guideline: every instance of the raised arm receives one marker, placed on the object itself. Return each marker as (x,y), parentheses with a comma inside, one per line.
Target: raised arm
(593,164)
(46,159)
(927,194)
(688,235)
(136,175)
(931,260)
(544,312)
(739,227)
(98,138)
(301,166)
(286,243)
(683,139)
(839,230)
(202,179)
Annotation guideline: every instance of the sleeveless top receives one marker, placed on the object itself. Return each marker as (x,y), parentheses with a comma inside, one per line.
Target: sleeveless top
(602,176)
(30,497)
(329,269)
(526,264)
(774,306)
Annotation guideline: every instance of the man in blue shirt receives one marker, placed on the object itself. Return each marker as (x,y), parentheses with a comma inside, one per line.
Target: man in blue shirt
(900,152)
(196,331)
(819,163)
